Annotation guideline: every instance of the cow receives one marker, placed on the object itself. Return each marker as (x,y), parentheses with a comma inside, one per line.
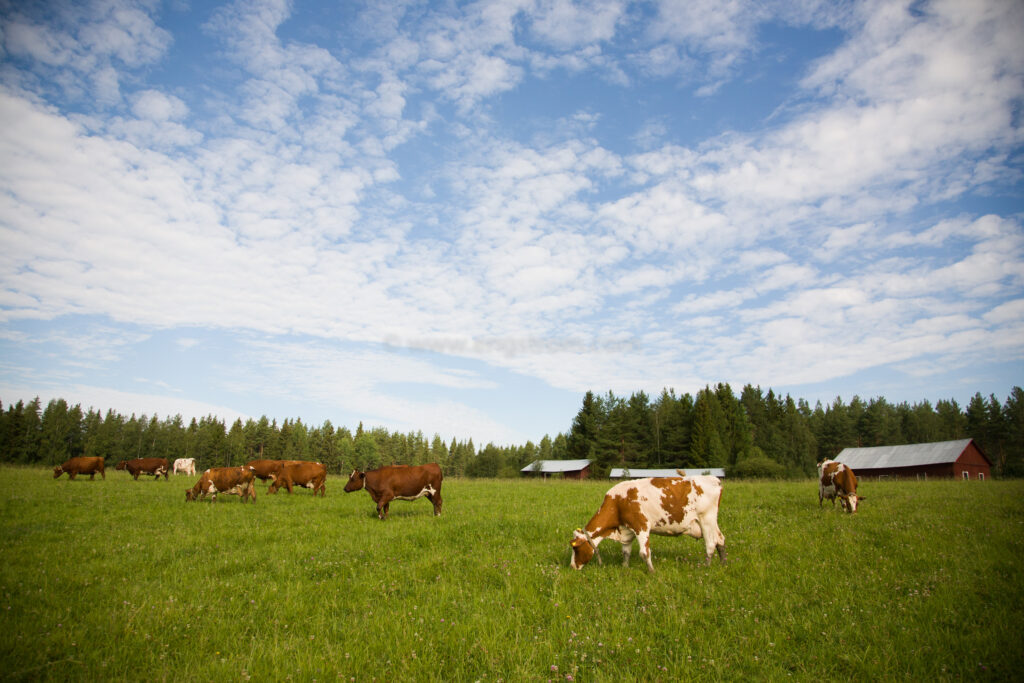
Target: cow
(312,475)
(238,481)
(81,465)
(667,506)
(152,466)
(268,469)
(403,482)
(185,466)
(836,480)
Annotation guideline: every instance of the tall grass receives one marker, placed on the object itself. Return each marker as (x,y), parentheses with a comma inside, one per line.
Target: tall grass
(122,580)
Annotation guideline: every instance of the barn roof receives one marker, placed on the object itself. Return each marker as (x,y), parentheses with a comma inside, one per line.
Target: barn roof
(553,466)
(632,473)
(938,453)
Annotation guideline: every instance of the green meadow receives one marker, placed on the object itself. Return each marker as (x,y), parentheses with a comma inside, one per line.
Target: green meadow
(123,580)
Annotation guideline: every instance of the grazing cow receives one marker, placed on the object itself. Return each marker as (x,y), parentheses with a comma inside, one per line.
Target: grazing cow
(836,480)
(268,469)
(239,481)
(185,466)
(156,467)
(399,481)
(667,506)
(76,466)
(312,475)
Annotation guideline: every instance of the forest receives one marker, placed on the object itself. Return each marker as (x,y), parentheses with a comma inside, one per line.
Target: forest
(753,434)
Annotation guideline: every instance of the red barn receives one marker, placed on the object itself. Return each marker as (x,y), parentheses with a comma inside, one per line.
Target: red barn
(944,459)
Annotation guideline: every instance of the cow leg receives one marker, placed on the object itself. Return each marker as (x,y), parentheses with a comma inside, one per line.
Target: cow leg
(627,550)
(435,500)
(713,537)
(644,540)
(92,476)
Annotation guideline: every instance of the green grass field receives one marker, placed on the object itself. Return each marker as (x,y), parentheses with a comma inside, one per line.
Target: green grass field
(122,580)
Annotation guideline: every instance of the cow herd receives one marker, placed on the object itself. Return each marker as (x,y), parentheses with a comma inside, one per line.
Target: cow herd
(631,510)
(396,482)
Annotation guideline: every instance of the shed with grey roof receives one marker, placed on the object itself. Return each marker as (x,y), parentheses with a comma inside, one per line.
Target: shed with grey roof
(961,459)
(567,469)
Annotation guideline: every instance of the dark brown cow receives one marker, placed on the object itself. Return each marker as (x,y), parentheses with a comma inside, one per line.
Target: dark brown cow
(152,466)
(399,481)
(76,466)
(836,480)
(238,481)
(311,475)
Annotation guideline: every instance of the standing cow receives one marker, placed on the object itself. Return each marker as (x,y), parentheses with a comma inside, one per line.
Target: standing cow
(231,480)
(81,465)
(311,475)
(836,480)
(156,467)
(399,481)
(667,506)
(185,466)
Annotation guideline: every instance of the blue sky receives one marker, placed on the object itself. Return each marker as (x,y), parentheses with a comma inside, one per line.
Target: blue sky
(459,217)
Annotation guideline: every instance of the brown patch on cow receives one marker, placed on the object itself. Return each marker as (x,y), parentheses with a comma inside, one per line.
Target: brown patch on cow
(629,511)
(675,496)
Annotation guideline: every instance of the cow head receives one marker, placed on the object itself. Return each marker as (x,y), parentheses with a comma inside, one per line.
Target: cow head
(57,471)
(356,480)
(583,549)
(851,502)
(190,494)
(121,465)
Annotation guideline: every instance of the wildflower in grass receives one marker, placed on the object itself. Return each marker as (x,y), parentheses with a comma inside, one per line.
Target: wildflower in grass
(554,667)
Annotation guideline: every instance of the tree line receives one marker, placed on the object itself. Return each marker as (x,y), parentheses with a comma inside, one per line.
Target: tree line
(754,434)
(767,435)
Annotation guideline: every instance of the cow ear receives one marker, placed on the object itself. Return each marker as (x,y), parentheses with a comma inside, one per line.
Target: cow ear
(362,475)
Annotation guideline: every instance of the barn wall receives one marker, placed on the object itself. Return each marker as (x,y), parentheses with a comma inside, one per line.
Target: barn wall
(973,462)
(578,474)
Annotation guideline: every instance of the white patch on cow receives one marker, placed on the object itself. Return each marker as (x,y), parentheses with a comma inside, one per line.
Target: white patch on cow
(211,488)
(309,485)
(428,489)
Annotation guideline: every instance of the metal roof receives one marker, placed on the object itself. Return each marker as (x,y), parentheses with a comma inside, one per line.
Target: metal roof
(553,466)
(937,453)
(621,472)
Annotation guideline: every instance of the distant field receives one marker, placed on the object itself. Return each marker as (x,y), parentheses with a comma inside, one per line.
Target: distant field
(122,580)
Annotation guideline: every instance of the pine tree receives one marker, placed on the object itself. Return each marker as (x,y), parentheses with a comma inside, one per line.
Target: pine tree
(582,437)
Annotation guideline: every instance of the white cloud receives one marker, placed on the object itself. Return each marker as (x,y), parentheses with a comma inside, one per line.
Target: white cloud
(569,23)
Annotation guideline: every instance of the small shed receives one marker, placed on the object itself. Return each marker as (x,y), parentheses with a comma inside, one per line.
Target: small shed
(961,459)
(635,473)
(569,469)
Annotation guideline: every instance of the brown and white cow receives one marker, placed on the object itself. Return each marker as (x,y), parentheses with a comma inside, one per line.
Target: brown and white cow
(81,465)
(185,466)
(836,480)
(667,506)
(239,481)
(311,475)
(401,482)
(156,467)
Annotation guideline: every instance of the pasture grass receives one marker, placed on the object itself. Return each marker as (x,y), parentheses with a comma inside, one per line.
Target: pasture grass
(123,580)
